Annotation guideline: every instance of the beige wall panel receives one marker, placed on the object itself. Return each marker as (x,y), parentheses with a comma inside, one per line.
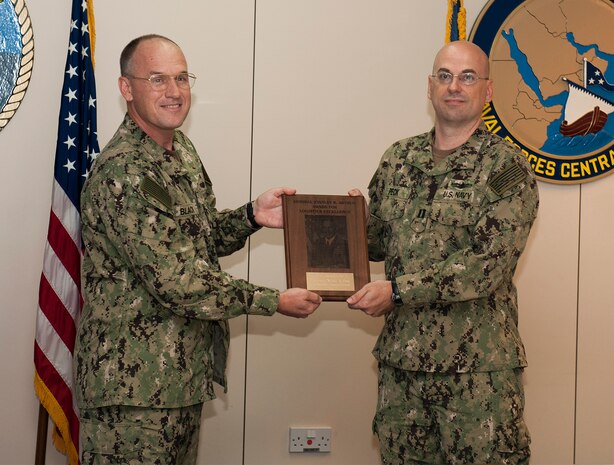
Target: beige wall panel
(595,402)
(547,280)
(221,43)
(336,83)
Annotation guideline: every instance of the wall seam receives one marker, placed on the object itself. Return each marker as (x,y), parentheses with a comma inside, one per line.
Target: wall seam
(249,242)
(575,409)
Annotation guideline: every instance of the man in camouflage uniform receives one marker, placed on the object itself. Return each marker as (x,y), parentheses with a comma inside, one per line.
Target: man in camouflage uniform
(153,335)
(450,213)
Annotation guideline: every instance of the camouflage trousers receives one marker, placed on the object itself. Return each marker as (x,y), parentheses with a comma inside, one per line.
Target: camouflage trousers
(137,435)
(456,418)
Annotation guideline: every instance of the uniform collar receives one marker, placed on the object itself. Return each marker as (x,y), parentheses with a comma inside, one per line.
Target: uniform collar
(171,162)
(463,158)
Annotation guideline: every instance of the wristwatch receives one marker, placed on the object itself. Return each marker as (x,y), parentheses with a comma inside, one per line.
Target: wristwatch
(250,215)
(396,295)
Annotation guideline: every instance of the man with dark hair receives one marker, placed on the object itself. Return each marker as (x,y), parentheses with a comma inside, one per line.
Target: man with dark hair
(153,335)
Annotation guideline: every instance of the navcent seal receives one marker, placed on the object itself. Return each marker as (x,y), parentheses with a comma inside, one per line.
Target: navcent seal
(552,64)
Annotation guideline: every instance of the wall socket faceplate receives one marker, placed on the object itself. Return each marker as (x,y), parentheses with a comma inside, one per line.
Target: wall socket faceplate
(310,439)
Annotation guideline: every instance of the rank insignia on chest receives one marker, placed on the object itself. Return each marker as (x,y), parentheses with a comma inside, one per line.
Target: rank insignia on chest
(420,221)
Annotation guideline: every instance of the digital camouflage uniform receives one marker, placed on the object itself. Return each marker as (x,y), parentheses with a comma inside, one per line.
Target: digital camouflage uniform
(451,234)
(153,331)
(125,435)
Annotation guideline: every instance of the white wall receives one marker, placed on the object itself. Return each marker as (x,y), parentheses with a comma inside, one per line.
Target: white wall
(333,83)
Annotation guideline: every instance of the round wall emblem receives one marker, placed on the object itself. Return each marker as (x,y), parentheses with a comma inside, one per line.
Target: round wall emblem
(552,63)
(16,56)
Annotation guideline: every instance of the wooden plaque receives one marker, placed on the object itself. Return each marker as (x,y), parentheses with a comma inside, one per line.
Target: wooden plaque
(325,239)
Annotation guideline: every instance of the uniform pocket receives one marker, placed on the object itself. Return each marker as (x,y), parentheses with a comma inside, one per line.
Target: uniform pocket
(394,203)
(455,214)
(192,224)
(111,442)
(513,443)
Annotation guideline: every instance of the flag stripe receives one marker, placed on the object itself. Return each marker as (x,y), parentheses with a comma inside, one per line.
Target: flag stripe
(65,249)
(53,349)
(62,283)
(67,213)
(59,389)
(56,314)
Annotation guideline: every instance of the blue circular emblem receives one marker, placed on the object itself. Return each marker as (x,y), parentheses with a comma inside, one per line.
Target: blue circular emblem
(552,63)
(16,56)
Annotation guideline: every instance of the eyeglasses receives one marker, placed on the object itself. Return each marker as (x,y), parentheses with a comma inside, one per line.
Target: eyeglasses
(467,78)
(161,81)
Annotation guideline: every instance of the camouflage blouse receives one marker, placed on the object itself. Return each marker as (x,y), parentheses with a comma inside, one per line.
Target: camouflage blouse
(153,330)
(452,233)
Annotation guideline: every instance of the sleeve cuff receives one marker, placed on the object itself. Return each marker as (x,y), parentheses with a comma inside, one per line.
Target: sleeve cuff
(265,302)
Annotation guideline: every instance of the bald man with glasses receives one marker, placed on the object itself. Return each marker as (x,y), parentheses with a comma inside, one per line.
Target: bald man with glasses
(450,214)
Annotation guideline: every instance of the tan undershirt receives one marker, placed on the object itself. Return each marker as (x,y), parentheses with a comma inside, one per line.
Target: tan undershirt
(439,155)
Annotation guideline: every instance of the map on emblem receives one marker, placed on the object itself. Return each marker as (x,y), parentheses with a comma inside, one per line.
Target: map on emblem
(552,66)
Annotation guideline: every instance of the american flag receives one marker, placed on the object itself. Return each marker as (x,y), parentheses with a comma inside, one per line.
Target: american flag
(59,293)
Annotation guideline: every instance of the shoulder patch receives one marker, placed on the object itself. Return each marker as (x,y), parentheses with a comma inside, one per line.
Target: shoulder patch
(152,188)
(506,179)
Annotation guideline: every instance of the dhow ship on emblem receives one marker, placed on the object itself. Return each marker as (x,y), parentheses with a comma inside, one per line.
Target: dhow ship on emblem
(586,112)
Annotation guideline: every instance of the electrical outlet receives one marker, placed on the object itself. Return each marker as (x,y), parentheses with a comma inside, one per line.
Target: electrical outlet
(310,439)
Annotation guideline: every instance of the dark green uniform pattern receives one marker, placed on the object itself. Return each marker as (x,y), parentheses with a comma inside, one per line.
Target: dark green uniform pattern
(452,233)
(435,418)
(153,331)
(136,435)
